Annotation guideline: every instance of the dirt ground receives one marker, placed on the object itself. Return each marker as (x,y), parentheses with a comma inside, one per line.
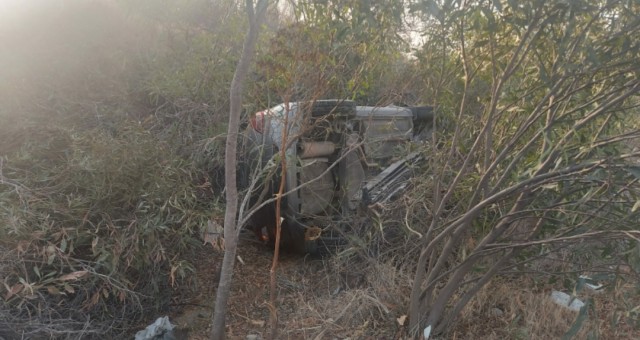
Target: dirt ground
(301,283)
(318,301)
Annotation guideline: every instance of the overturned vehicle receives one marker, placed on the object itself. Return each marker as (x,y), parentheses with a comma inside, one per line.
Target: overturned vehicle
(338,157)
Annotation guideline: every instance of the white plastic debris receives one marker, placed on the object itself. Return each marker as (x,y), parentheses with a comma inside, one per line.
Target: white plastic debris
(426,333)
(565,300)
(591,284)
(161,329)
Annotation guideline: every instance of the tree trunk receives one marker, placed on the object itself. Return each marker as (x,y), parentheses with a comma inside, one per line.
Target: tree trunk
(231,229)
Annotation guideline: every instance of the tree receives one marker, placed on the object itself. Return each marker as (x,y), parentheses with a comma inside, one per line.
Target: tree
(537,158)
(255,16)
(336,49)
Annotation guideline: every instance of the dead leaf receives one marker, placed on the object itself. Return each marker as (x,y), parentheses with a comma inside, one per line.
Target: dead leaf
(172,275)
(401,320)
(95,298)
(258,323)
(312,233)
(53,290)
(214,235)
(73,276)
(15,289)
(94,243)
(69,289)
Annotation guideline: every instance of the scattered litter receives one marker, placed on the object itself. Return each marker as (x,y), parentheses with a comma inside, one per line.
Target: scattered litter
(591,284)
(401,320)
(565,300)
(426,333)
(161,329)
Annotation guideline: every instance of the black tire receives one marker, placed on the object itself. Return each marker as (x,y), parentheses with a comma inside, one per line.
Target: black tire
(292,238)
(333,106)
(330,245)
(423,114)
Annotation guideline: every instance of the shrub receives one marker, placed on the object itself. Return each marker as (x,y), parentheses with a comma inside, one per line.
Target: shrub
(98,203)
(93,222)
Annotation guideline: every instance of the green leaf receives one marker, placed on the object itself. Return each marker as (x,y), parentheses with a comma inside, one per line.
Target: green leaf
(606,252)
(68,288)
(480,43)
(433,8)
(498,5)
(491,20)
(633,257)
(50,274)
(634,170)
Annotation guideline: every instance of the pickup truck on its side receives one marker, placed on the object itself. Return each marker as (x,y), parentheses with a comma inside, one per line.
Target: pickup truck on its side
(339,156)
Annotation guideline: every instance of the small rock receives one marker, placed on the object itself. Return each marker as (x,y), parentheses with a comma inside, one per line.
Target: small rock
(564,300)
(497,312)
(253,337)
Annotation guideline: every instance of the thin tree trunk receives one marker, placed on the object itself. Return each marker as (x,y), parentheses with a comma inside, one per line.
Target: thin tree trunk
(231,148)
(273,318)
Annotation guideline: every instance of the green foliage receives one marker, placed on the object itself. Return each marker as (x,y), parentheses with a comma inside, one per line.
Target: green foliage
(197,65)
(112,135)
(101,193)
(545,101)
(117,211)
(336,49)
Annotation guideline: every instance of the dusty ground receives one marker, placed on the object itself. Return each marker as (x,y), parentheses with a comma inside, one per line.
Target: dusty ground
(303,287)
(318,301)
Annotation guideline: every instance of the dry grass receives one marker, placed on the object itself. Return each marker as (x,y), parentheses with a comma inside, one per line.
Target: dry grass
(516,309)
(360,299)
(96,211)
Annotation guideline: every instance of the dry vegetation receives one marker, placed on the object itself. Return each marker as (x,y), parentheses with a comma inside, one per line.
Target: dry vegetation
(339,298)
(110,164)
(98,207)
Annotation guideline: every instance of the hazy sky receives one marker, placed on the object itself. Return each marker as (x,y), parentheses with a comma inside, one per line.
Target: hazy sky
(11,10)
(8,6)
(14,10)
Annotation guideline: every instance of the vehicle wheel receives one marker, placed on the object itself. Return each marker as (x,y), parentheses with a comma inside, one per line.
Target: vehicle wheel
(292,238)
(423,114)
(334,106)
(325,244)
(330,245)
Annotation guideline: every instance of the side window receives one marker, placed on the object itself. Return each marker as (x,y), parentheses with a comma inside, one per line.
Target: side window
(384,136)
(382,128)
